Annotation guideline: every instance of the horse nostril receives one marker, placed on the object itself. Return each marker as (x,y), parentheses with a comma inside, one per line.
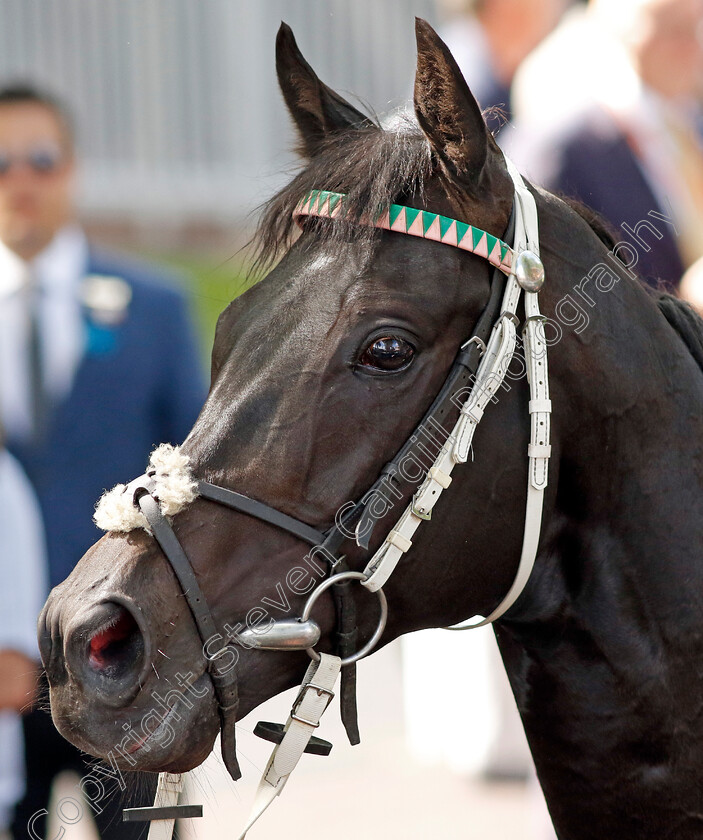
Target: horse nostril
(106,650)
(114,647)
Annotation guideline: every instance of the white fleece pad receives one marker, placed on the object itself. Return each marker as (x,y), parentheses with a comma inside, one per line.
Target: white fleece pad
(175,488)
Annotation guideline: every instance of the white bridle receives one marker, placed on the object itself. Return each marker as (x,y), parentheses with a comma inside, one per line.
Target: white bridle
(489,377)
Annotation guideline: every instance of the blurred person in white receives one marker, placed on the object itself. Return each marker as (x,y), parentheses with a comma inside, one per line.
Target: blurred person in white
(608,111)
(23,589)
(490,38)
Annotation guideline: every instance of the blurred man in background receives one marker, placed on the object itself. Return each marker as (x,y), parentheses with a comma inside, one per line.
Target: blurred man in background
(608,111)
(97,365)
(23,590)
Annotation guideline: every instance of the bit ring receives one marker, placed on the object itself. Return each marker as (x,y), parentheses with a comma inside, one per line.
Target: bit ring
(373,641)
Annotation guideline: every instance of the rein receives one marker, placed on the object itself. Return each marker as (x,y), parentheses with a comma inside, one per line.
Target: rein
(473,380)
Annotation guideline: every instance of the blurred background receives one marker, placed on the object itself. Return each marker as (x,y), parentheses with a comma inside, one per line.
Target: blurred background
(181,133)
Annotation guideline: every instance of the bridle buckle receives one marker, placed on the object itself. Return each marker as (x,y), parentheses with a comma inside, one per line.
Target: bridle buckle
(415,510)
(301,696)
(479,342)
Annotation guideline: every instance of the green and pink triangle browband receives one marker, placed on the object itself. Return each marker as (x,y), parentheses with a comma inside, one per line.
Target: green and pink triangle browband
(415,222)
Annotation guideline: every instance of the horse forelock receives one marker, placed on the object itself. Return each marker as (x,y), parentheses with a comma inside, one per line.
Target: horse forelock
(375,167)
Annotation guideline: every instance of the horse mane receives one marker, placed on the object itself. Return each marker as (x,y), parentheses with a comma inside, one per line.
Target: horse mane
(687,323)
(598,224)
(680,315)
(374,166)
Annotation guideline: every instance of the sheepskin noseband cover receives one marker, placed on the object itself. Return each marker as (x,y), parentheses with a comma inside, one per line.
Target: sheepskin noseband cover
(175,488)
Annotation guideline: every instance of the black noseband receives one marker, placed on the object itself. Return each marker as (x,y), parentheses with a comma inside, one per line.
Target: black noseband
(225,684)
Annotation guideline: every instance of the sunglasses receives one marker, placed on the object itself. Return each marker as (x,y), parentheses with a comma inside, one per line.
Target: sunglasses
(43,160)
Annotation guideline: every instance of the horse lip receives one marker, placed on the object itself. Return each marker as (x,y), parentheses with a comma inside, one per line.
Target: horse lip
(171,713)
(167,719)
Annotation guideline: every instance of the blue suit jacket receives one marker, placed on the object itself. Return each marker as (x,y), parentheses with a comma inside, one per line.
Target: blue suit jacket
(590,160)
(139,383)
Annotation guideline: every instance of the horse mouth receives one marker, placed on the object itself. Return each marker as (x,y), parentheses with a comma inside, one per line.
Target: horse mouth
(169,728)
(157,734)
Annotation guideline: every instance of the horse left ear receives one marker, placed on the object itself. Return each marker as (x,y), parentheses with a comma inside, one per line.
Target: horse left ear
(448,112)
(317,110)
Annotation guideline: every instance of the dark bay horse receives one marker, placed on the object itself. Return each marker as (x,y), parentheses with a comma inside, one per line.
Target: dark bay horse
(321,371)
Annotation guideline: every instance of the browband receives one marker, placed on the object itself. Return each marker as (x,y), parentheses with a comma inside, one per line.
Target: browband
(422,223)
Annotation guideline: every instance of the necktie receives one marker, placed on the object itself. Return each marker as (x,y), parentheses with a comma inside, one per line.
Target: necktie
(38,395)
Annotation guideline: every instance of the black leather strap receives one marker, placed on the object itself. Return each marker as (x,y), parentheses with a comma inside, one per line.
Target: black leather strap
(225,685)
(274,733)
(164,535)
(171,812)
(262,511)
(346,639)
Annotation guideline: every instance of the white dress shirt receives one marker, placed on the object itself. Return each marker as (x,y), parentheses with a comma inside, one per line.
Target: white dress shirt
(545,101)
(57,272)
(23,589)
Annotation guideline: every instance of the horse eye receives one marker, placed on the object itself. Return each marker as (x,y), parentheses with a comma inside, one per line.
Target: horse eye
(388,353)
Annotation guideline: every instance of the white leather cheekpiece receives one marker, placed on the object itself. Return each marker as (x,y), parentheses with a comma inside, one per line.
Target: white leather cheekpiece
(489,377)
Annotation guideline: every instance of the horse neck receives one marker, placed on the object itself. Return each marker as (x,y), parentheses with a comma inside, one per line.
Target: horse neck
(602,657)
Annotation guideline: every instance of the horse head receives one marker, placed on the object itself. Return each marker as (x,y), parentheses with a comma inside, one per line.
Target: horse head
(321,373)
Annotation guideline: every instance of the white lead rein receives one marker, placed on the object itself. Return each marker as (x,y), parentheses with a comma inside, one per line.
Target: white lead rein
(314,697)
(168,789)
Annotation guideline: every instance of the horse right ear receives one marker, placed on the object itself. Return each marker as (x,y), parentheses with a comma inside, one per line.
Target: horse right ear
(447,111)
(317,110)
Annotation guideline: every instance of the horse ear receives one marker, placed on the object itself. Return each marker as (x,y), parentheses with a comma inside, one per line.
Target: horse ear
(447,111)
(317,110)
